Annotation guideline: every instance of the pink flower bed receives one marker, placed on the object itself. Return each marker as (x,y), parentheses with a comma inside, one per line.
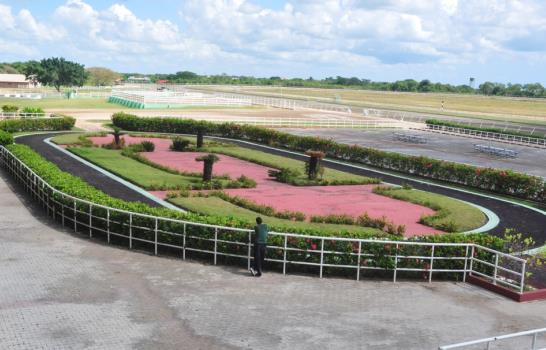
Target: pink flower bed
(312,200)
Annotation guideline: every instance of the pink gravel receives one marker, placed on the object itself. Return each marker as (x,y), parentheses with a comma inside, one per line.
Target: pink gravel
(352,200)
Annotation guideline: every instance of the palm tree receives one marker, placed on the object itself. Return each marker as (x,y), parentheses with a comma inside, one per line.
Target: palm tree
(117,135)
(208,162)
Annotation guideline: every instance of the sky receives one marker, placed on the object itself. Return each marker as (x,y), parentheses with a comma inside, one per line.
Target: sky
(383,40)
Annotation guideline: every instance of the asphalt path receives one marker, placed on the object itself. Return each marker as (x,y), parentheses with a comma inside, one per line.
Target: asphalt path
(511,215)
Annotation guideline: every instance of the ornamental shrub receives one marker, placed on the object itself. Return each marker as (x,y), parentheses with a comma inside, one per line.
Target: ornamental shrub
(500,181)
(179,144)
(31,111)
(55,123)
(148,146)
(5,138)
(10,108)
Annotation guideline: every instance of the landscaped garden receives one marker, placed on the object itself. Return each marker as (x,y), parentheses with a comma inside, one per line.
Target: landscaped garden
(290,194)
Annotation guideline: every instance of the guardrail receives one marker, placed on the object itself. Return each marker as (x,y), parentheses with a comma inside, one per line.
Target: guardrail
(533,334)
(506,138)
(5,115)
(325,254)
(302,122)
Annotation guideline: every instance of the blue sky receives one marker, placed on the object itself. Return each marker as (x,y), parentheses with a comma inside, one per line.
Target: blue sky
(442,40)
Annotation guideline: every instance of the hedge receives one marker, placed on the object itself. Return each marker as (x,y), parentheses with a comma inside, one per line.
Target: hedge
(506,182)
(55,123)
(380,252)
(5,138)
(484,129)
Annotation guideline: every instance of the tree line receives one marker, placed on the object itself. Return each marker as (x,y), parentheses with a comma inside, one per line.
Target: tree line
(59,72)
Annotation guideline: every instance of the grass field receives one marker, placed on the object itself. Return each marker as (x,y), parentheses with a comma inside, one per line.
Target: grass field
(486,107)
(465,217)
(219,207)
(58,103)
(133,171)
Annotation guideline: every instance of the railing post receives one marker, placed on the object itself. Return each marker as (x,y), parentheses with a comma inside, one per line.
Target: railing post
(62,209)
(90,220)
(465,263)
(75,218)
(395,263)
(130,231)
(522,281)
(471,260)
(184,243)
(321,256)
(108,224)
(215,243)
(496,268)
(284,255)
(155,236)
(249,249)
(431,267)
(358,260)
(534,341)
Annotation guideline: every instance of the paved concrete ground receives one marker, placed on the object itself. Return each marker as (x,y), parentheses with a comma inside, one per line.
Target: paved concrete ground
(439,146)
(60,291)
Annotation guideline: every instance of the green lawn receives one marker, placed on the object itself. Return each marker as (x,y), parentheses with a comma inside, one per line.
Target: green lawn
(465,217)
(135,172)
(218,207)
(274,161)
(54,103)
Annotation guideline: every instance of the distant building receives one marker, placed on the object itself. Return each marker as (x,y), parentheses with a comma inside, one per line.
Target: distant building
(16,81)
(162,82)
(138,80)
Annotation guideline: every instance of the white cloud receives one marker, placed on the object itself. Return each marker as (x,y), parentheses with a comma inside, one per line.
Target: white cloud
(300,37)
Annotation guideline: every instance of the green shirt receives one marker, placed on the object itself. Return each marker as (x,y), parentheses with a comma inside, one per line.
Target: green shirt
(261,233)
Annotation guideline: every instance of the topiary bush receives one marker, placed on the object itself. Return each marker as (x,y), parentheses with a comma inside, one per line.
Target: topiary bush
(5,138)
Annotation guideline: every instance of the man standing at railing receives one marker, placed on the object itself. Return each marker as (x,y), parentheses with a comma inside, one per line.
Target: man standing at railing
(260,242)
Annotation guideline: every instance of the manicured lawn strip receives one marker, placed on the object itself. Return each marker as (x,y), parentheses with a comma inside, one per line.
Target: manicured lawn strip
(219,207)
(277,162)
(73,139)
(133,171)
(465,217)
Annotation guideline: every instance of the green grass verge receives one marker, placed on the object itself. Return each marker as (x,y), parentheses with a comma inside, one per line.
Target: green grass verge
(133,171)
(276,162)
(218,207)
(452,215)
(48,103)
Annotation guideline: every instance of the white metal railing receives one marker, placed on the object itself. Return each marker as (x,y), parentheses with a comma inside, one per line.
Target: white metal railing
(8,115)
(284,249)
(186,98)
(300,122)
(507,138)
(532,345)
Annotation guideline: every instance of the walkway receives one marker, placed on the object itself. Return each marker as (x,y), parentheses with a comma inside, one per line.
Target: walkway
(61,291)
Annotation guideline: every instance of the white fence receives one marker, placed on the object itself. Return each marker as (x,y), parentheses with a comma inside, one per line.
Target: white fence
(348,256)
(494,136)
(151,98)
(486,343)
(4,115)
(302,122)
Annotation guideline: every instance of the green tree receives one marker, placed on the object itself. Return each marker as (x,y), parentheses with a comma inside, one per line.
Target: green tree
(57,72)
(100,76)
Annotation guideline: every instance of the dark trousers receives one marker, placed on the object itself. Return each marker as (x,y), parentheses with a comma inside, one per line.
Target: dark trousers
(259,257)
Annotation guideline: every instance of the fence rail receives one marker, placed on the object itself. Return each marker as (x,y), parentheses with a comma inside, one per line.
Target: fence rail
(532,335)
(348,256)
(7,115)
(494,136)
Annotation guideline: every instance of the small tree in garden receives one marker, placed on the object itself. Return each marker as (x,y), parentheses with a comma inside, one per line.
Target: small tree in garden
(208,162)
(117,135)
(313,167)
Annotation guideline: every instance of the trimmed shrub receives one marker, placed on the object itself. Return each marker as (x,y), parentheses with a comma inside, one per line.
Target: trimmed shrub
(56,123)
(10,108)
(148,146)
(500,181)
(179,144)
(5,138)
(31,111)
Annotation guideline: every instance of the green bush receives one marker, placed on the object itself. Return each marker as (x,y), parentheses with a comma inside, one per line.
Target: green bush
(5,138)
(179,144)
(148,146)
(500,181)
(56,123)
(31,111)
(10,108)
